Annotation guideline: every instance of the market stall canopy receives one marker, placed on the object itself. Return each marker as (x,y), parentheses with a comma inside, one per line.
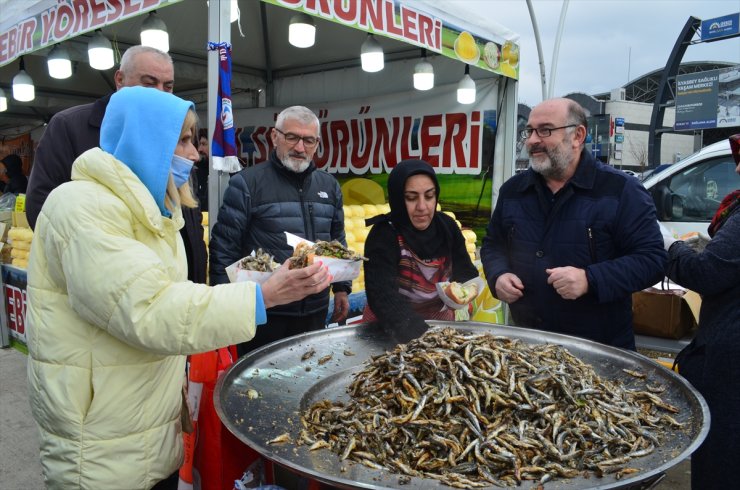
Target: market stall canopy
(261,56)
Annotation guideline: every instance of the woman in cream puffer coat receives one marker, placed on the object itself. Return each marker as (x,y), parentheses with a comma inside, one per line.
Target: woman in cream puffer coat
(111,314)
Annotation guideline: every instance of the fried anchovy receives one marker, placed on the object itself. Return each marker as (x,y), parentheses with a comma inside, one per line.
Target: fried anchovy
(472,409)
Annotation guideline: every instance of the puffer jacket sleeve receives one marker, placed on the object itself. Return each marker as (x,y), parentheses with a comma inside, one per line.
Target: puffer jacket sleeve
(119,284)
(231,229)
(640,258)
(713,271)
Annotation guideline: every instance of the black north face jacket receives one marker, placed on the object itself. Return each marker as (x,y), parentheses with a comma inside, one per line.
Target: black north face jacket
(262,203)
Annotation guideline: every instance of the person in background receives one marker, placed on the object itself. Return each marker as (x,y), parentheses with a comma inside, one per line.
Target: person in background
(571,239)
(710,361)
(11,175)
(409,251)
(111,314)
(286,193)
(202,169)
(75,130)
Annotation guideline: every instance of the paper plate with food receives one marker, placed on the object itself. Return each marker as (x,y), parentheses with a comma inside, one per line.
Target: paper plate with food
(344,264)
(255,267)
(458,295)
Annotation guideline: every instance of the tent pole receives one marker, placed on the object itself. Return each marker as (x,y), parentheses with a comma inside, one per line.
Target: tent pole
(219,30)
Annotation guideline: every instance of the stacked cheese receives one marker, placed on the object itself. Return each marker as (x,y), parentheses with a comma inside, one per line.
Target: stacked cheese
(356,231)
(20,242)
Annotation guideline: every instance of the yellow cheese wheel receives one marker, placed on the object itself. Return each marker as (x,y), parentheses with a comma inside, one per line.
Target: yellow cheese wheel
(361,234)
(358,211)
(22,244)
(469,235)
(359,224)
(370,210)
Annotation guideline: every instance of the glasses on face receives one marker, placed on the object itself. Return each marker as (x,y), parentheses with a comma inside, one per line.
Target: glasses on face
(293,139)
(542,132)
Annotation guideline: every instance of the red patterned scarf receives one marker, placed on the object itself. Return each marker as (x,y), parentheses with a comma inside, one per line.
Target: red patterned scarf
(729,205)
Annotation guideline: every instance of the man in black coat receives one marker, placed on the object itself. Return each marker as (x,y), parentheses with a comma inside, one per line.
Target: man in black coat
(286,193)
(73,131)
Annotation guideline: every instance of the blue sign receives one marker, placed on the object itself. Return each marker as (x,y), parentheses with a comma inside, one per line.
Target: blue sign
(619,138)
(619,121)
(727,25)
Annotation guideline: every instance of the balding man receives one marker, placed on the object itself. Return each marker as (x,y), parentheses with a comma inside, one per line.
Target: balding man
(73,131)
(571,239)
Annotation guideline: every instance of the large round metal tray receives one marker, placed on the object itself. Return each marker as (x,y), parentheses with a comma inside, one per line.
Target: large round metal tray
(288,385)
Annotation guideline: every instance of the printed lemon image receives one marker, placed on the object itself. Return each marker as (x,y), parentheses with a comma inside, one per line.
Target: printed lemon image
(486,308)
(510,54)
(466,49)
(491,55)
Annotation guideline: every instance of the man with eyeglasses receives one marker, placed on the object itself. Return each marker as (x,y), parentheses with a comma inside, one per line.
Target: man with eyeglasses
(286,193)
(571,239)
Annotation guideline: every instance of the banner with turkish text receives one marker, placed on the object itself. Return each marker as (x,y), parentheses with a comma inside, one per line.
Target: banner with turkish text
(363,139)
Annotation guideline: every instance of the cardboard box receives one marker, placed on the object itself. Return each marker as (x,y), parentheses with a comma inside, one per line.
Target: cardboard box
(19,219)
(670,314)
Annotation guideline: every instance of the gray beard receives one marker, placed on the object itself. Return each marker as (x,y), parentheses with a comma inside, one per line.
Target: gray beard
(297,166)
(554,166)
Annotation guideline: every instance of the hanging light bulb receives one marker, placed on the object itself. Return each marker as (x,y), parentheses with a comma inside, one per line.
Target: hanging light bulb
(154,33)
(234,13)
(466,88)
(423,73)
(3,101)
(302,31)
(371,55)
(23,89)
(100,52)
(58,62)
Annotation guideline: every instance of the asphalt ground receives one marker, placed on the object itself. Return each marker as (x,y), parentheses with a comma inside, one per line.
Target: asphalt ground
(20,468)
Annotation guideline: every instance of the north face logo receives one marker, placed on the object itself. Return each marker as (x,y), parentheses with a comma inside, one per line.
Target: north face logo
(323,195)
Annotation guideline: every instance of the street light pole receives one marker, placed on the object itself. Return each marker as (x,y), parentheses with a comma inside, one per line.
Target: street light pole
(556,49)
(536,30)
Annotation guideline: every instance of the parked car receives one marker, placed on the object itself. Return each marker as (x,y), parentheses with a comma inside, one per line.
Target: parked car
(653,171)
(632,173)
(687,193)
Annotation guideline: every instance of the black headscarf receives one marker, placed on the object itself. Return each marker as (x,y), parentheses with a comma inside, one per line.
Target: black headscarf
(433,242)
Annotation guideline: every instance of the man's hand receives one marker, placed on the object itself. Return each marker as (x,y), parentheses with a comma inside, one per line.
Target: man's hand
(569,282)
(287,285)
(341,306)
(509,287)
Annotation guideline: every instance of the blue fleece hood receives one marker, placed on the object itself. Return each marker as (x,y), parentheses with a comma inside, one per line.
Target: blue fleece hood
(141,128)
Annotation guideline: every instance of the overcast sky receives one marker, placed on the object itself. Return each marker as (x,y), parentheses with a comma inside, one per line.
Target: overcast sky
(598,36)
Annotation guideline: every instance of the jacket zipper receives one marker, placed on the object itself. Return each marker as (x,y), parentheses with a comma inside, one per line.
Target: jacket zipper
(311,222)
(303,214)
(591,244)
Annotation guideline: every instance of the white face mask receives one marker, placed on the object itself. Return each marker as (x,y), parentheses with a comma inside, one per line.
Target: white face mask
(180,169)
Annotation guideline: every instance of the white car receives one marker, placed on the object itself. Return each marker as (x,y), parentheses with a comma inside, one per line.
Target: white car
(687,193)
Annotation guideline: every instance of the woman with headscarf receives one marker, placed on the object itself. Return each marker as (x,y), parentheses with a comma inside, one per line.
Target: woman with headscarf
(711,362)
(409,251)
(11,175)
(111,314)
